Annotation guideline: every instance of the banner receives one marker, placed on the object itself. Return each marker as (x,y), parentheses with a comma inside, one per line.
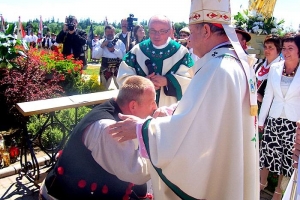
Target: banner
(21,33)
(2,27)
(40,33)
(90,37)
(106,22)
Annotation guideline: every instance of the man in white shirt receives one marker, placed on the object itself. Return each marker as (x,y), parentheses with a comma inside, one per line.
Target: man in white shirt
(111,51)
(32,40)
(95,45)
(124,34)
(95,166)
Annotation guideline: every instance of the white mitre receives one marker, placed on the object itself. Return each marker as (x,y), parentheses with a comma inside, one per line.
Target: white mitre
(218,12)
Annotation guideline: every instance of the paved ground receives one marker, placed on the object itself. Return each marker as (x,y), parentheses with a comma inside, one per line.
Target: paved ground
(265,195)
(9,189)
(23,189)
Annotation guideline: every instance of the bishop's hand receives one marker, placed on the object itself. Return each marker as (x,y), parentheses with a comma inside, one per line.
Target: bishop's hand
(126,129)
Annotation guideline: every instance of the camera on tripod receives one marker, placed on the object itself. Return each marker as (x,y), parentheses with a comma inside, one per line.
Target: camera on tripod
(130,21)
(70,23)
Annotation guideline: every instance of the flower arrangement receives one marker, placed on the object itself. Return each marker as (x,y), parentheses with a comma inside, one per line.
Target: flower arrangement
(69,69)
(258,24)
(26,82)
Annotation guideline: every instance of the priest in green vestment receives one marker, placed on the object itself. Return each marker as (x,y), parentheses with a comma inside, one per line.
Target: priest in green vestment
(164,61)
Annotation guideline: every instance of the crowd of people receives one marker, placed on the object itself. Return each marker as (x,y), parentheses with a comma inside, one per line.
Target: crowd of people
(184,124)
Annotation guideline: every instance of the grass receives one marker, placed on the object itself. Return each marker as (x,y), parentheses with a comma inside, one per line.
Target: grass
(92,70)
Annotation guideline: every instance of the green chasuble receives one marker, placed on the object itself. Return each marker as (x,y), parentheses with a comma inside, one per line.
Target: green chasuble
(172,62)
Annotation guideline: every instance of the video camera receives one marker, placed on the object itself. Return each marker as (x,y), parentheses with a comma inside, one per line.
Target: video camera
(130,21)
(111,41)
(70,23)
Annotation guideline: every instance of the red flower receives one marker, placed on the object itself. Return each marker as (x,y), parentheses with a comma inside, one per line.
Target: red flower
(62,77)
(70,57)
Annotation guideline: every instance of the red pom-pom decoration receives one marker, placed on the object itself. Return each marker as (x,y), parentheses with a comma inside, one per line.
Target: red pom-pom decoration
(93,187)
(81,183)
(104,189)
(60,170)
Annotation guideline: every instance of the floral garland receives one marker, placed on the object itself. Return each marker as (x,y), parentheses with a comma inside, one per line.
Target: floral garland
(258,24)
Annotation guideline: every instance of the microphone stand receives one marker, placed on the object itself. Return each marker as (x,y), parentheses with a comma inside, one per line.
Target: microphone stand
(130,38)
(128,41)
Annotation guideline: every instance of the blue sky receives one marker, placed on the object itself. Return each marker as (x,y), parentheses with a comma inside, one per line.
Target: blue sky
(176,10)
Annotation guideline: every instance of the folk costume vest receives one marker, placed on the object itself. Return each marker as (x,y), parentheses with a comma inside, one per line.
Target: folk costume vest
(77,175)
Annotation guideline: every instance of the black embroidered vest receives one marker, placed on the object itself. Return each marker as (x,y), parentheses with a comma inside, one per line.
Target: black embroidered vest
(77,175)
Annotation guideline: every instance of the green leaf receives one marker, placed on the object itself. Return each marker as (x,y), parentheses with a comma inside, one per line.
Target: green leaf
(10,30)
(253,139)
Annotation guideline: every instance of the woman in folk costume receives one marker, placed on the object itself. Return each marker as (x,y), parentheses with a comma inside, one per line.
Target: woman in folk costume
(207,149)
(272,49)
(281,108)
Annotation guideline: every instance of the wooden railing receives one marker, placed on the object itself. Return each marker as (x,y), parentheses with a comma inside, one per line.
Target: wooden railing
(29,164)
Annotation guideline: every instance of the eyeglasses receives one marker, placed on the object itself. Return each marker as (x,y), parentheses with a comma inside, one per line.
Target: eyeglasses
(160,32)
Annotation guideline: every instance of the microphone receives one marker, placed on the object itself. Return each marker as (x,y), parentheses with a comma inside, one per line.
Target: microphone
(149,65)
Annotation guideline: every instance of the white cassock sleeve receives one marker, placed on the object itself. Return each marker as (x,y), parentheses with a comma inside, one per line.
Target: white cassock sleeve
(120,159)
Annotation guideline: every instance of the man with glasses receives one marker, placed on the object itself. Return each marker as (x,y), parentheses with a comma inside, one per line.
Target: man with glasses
(164,61)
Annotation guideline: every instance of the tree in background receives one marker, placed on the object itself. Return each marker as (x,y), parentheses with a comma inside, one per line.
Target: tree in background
(98,27)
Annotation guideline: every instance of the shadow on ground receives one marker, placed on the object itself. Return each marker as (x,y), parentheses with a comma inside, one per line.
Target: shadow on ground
(21,192)
(265,195)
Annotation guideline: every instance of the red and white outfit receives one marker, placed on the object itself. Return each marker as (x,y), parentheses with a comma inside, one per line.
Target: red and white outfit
(262,73)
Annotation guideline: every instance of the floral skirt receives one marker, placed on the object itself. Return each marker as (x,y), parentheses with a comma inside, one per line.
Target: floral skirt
(276,146)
